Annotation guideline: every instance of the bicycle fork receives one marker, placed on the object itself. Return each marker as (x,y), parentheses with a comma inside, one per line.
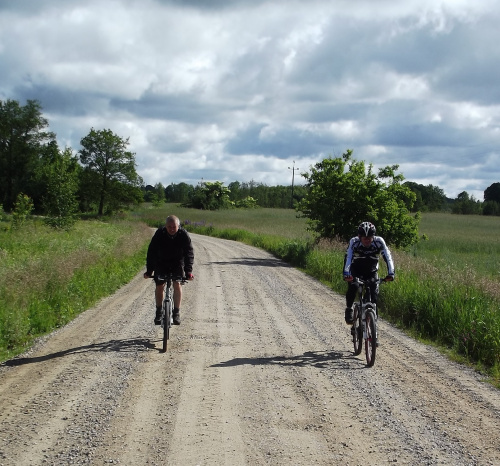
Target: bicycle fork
(373,307)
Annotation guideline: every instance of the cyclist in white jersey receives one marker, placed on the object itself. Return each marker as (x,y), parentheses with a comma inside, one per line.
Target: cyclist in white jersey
(361,261)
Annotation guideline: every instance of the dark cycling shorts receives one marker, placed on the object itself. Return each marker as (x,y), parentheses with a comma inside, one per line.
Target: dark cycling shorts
(176,269)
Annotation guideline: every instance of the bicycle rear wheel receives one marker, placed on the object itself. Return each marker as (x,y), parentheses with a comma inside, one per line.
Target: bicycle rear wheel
(371,337)
(357,331)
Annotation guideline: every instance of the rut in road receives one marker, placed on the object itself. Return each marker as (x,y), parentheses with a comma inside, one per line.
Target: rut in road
(261,371)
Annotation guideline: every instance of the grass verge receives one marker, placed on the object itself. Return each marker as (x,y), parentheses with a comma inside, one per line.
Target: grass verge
(47,278)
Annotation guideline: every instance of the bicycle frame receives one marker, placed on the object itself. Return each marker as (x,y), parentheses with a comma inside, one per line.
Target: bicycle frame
(364,325)
(168,305)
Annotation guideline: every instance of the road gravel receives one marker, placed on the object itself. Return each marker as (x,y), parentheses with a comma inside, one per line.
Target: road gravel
(260,372)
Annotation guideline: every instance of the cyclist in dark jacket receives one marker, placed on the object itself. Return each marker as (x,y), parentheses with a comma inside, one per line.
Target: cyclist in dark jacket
(170,251)
(361,260)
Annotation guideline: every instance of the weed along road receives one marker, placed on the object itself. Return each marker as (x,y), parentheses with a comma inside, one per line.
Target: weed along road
(260,372)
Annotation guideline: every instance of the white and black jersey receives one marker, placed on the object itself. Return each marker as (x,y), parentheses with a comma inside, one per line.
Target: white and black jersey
(361,260)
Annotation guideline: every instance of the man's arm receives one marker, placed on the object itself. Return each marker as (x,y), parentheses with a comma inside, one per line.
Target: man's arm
(188,254)
(386,254)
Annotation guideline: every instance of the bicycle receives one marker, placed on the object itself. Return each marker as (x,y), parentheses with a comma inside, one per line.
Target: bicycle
(364,326)
(167,308)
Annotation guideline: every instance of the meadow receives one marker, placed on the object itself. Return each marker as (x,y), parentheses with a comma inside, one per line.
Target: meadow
(446,290)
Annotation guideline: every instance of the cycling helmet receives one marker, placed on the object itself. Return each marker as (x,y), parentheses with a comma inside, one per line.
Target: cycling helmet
(366,229)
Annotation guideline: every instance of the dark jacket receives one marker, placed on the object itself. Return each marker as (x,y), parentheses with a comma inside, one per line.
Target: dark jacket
(167,251)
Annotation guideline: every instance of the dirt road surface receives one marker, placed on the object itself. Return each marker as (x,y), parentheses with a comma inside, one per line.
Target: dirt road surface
(260,372)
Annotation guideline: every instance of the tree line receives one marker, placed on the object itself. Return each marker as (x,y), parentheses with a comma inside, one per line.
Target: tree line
(101,178)
(214,195)
(37,176)
(428,198)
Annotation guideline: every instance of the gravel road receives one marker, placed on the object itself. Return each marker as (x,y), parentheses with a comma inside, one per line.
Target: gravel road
(261,372)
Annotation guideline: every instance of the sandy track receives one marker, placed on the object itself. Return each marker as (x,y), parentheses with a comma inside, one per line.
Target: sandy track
(261,371)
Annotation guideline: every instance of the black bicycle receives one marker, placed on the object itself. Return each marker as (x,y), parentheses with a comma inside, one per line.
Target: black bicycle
(364,326)
(167,309)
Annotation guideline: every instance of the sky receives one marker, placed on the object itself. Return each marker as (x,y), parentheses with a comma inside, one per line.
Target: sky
(248,90)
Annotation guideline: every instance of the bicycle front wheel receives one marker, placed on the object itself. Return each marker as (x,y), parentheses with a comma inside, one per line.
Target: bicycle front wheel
(371,338)
(167,317)
(357,331)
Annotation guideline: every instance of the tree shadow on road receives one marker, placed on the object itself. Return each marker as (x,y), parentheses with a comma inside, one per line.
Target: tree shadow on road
(253,261)
(120,346)
(319,359)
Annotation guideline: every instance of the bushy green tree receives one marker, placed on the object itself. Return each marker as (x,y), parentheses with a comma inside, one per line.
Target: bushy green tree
(491,208)
(492,193)
(159,191)
(22,208)
(210,196)
(428,198)
(247,203)
(342,192)
(59,175)
(180,192)
(23,134)
(466,205)
(109,177)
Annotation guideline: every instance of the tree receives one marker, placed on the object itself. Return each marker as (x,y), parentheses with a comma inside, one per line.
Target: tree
(154,194)
(23,135)
(22,208)
(492,193)
(160,194)
(210,196)
(429,198)
(181,192)
(466,205)
(491,208)
(59,175)
(235,193)
(342,192)
(110,168)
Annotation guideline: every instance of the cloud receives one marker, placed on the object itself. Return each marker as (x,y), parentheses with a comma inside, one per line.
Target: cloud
(237,90)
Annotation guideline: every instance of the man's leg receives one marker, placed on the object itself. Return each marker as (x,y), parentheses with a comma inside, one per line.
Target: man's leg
(374,290)
(349,300)
(159,290)
(159,294)
(177,303)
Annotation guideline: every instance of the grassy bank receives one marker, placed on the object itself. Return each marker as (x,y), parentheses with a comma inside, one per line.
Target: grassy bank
(49,277)
(446,291)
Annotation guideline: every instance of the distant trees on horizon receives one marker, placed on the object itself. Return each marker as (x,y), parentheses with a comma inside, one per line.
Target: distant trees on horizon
(102,179)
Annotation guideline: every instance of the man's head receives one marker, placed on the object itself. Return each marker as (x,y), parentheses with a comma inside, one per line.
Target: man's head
(366,232)
(172,225)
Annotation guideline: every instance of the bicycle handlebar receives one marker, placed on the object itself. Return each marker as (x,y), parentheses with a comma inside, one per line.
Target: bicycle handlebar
(170,276)
(359,281)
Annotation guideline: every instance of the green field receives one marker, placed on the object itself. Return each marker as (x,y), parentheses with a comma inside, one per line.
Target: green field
(466,243)
(446,289)
(48,277)
(284,223)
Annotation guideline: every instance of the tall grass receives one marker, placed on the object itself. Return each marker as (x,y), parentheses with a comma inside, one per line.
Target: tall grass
(47,277)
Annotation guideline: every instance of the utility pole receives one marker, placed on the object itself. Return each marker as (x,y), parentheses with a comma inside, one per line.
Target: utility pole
(293,179)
